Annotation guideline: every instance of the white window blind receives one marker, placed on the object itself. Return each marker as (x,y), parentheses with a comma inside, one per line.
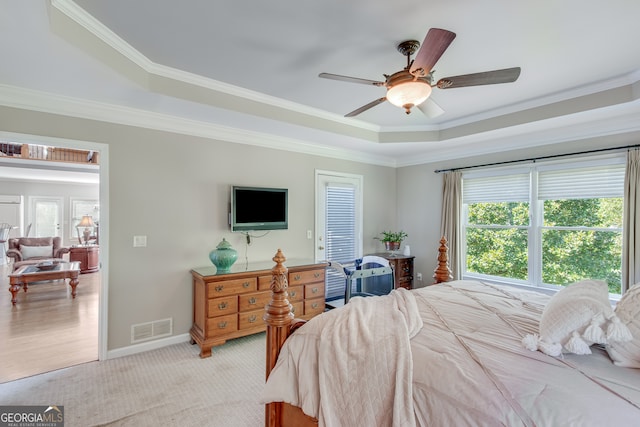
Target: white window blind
(503,188)
(341,234)
(584,183)
(341,224)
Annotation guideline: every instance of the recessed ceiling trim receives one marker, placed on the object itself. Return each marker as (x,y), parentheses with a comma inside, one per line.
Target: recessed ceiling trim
(606,122)
(28,99)
(157,73)
(71,10)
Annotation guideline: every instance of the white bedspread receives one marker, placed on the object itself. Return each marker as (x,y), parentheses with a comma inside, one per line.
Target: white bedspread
(469,366)
(352,365)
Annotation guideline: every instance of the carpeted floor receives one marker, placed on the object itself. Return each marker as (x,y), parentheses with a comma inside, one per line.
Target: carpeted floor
(171,386)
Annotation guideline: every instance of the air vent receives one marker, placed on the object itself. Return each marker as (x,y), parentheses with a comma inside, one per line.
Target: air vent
(151,330)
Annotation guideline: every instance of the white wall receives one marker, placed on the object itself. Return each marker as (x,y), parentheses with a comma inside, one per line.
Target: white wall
(174,189)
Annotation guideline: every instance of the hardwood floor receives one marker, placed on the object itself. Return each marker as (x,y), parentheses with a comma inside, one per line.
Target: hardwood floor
(47,329)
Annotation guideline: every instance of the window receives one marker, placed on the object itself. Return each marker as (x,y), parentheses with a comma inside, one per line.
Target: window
(545,224)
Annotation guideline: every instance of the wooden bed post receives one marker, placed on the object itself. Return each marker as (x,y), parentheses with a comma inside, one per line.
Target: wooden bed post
(443,273)
(278,318)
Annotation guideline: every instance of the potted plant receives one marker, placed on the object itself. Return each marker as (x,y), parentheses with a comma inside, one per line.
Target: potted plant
(392,239)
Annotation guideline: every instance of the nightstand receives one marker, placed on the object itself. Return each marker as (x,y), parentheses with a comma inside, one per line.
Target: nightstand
(402,269)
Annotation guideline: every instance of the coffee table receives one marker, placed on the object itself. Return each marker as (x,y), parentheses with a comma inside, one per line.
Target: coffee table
(33,273)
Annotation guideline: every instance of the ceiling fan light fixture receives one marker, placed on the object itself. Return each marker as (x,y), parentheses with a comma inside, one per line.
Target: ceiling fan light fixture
(409,94)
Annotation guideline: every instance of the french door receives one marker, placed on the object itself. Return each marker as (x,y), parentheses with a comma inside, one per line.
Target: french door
(338,224)
(45,216)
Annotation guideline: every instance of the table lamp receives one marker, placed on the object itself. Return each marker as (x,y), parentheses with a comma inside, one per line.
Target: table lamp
(87,223)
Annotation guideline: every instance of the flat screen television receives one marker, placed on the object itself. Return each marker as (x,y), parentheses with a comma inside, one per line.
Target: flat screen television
(259,208)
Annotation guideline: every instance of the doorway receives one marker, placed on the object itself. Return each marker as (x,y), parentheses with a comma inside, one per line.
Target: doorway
(45,216)
(50,215)
(338,225)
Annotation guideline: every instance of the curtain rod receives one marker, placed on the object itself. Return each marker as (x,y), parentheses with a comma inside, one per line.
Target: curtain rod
(534,159)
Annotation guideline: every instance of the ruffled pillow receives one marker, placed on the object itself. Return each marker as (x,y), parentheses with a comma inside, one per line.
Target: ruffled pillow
(575,318)
(627,354)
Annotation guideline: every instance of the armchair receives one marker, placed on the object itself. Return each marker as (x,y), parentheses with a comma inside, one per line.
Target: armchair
(34,250)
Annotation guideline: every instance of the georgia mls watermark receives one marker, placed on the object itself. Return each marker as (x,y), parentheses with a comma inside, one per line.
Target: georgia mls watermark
(31,416)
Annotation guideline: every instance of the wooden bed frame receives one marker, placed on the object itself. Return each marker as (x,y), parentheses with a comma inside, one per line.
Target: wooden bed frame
(281,323)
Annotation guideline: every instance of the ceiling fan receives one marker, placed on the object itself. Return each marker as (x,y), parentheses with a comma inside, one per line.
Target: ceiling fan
(411,87)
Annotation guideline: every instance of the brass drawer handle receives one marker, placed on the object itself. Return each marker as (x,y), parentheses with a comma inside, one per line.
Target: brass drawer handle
(252,301)
(314,305)
(296,277)
(253,318)
(316,275)
(246,285)
(222,325)
(219,288)
(292,293)
(222,305)
(314,290)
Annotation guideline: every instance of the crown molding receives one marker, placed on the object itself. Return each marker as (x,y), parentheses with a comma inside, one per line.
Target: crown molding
(495,119)
(28,99)
(74,12)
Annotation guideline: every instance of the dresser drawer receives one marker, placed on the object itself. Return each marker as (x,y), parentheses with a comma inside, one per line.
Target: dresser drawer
(405,280)
(297,309)
(405,268)
(231,287)
(296,293)
(253,301)
(251,319)
(314,290)
(308,276)
(313,307)
(222,325)
(264,283)
(222,306)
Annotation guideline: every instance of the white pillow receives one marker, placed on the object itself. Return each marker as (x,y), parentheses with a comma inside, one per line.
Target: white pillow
(627,354)
(36,251)
(574,319)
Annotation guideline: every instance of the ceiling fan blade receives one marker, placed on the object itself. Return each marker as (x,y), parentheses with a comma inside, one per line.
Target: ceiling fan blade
(366,107)
(350,79)
(430,108)
(506,75)
(433,46)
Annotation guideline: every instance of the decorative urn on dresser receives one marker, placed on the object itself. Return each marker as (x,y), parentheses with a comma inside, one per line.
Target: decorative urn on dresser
(223,256)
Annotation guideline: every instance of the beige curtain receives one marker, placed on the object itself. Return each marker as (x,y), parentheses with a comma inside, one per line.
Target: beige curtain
(450,223)
(631,238)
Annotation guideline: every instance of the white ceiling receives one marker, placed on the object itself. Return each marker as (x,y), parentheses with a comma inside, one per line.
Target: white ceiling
(248,70)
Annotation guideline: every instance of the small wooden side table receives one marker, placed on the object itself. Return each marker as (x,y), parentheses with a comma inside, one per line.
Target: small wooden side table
(87,256)
(402,268)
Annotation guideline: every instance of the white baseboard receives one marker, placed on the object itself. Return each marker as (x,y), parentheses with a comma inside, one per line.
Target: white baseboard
(151,345)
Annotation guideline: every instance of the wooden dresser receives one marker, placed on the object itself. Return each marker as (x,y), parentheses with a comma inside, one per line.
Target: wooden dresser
(231,305)
(402,269)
